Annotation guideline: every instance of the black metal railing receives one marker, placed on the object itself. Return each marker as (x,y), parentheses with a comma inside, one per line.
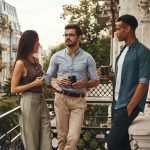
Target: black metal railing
(95,128)
(91,138)
(11,139)
(93,135)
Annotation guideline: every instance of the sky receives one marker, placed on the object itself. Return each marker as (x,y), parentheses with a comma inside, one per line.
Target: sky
(44,17)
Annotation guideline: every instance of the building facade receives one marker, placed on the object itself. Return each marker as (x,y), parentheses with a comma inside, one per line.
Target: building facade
(9,37)
(10,33)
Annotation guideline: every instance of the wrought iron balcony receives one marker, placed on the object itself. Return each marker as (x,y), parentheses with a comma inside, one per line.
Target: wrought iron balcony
(92,137)
(94,131)
(95,128)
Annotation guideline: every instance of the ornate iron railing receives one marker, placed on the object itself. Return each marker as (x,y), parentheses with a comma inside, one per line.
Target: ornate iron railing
(90,137)
(104,89)
(95,128)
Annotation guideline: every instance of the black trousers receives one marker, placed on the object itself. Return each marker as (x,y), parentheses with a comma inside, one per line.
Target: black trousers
(118,138)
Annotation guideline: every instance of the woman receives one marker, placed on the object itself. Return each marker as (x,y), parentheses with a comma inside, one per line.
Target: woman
(28,80)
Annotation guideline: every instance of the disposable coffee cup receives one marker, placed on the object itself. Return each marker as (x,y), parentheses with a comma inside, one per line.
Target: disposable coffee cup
(72,79)
(47,79)
(105,70)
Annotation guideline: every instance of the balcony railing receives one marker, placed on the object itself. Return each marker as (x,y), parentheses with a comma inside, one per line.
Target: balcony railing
(11,139)
(92,137)
(94,131)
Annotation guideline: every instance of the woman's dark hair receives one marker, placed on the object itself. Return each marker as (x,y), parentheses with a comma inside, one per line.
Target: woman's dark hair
(74,26)
(26,43)
(129,20)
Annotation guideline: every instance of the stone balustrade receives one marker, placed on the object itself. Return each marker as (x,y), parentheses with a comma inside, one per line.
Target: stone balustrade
(140,131)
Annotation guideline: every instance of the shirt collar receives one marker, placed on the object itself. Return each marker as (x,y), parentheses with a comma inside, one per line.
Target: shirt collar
(78,51)
(133,44)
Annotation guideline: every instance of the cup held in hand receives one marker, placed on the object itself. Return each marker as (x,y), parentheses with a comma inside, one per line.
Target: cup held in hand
(72,79)
(105,70)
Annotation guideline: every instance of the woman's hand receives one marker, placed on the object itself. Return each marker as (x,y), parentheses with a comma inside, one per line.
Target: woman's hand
(39,81)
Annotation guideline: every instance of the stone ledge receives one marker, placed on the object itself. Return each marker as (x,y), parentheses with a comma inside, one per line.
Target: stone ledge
(140,126)
(140,132)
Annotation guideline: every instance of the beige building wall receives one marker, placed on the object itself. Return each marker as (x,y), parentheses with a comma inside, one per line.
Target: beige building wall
(140,9)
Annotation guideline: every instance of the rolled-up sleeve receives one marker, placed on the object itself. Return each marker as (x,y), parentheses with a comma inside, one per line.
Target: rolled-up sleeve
(144,67)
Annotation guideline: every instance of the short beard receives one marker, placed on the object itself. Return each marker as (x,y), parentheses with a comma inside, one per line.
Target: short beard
(70,45)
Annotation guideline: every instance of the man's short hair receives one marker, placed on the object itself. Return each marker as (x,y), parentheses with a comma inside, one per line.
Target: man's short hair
(74,26)
(130,20)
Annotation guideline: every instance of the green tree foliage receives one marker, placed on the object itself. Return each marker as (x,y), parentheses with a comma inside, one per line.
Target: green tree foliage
(6,104)
(52,50)
(46,62)
(6,87)
(48,93)
(87,16)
